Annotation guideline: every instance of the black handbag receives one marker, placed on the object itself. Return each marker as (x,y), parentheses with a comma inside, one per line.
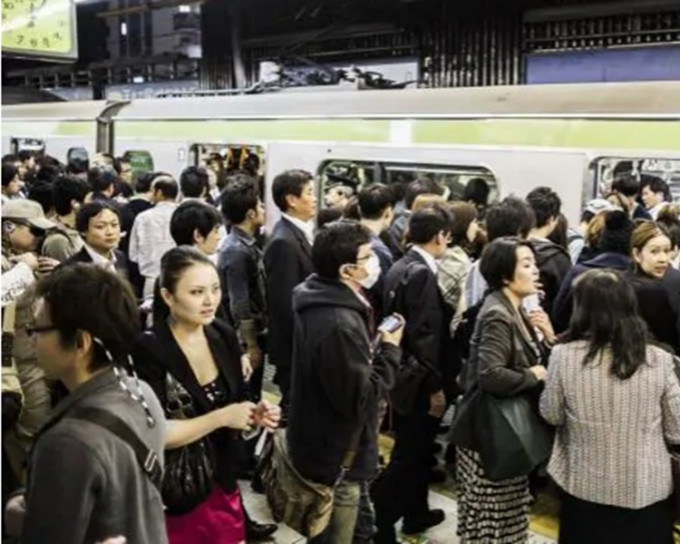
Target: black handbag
(513,439)
(189,470)
(407,386)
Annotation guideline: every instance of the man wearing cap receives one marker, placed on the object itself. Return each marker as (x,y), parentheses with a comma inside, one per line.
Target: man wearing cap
(576,237)
(23,227)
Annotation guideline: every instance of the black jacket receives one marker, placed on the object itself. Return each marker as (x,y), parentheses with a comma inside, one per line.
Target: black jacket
(554,263)
(411,289)
(336,382)
(656,307)
(287,263)
(157,353)
(563,304)
(83,256)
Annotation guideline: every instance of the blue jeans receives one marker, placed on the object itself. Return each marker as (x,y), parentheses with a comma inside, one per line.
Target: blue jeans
(365,526)
(344,517)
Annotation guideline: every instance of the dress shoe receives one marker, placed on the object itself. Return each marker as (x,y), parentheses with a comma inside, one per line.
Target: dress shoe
(257,532)
(423,523)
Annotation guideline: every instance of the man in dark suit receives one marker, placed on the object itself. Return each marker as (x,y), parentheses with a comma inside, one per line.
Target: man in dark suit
(99,225)
(418,397)
(288,262)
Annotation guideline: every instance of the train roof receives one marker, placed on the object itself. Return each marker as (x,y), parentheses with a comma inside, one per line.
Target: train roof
(646,99)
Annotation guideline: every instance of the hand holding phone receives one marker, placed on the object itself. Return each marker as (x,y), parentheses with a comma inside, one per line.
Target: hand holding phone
(392,329)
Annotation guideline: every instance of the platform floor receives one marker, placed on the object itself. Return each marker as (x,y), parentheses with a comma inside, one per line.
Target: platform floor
(442,534)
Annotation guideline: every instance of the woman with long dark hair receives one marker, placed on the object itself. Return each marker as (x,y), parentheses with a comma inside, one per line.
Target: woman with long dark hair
(615,400)
(190,356)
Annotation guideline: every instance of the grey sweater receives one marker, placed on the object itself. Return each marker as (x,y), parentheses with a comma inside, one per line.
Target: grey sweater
(85,484)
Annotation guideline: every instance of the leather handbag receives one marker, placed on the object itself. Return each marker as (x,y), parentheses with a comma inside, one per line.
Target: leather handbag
(189,470)
(303,505)
(513,438)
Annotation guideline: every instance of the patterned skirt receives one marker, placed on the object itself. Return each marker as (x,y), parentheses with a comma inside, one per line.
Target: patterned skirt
(490,512)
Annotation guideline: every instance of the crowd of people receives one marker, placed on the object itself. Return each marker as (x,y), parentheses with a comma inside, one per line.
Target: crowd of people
(139,312)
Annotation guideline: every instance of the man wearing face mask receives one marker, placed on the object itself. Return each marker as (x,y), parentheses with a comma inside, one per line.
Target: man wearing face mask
(339,373)
(418,400)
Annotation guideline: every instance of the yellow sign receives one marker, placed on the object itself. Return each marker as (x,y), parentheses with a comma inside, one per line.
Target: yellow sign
(39,28)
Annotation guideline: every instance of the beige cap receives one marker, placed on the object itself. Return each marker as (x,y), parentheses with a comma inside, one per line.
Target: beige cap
(26,210)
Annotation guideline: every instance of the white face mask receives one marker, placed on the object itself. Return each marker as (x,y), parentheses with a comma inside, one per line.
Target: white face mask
(373,269)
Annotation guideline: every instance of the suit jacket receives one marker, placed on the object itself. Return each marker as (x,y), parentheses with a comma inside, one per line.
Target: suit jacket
(83,256)
(610,445)
(411,289)
(501,353)
(287,263)
(157,353)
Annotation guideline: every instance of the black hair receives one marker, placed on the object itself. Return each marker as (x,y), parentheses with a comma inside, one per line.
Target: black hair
(49,172)
(626,184)
(606,316)
(43,193)
(77,165)
(10,158)
(101,178)
(290,182)
(239,197)
(144,181)
(351,209)
(66,189)
(93,209)
(86,297)
(668,219)
(622,168)
(499,261)
(425,224)
(25,155)
(166,185)
(511,217)
(9,173)
(423,186)
(559,235)
(586,216)
(193,182)
(656,185)
(191,216)
(374,199)
(477,191)
(173,264)
(337,244)
(546,205)
(326,216)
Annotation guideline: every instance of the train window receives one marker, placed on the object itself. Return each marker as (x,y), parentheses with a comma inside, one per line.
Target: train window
(140,161)
(36,146)
(453,178)
(222,160)
(605,169)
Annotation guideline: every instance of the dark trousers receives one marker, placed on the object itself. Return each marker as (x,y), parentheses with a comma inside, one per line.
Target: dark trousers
(584,522)
(401,490)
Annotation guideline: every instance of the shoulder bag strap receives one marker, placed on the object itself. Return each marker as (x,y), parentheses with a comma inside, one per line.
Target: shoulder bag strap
(146,457)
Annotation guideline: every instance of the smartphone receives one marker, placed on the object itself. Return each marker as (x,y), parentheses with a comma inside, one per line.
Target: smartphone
(531,303)
(390,324)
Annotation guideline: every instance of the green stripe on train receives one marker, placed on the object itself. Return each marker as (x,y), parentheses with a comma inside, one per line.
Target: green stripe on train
(42,129)
(332,130)
(660,135)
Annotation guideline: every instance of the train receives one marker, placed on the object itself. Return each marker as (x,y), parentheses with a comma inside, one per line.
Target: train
(568,137)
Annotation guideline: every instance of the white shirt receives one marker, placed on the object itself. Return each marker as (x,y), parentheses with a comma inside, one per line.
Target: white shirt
(98,259)
(654,211)
(150,238)
(429,259)
(307,227)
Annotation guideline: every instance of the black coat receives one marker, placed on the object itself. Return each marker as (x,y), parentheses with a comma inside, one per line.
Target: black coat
(554,263)
(83,256)
(657,309)
(287,263)
(411,289)
(157,353)
(336,382)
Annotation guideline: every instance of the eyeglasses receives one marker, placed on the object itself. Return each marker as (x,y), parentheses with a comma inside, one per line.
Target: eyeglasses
(30,330)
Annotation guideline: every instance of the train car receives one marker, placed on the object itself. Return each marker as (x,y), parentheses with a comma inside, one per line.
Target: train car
(568,137)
